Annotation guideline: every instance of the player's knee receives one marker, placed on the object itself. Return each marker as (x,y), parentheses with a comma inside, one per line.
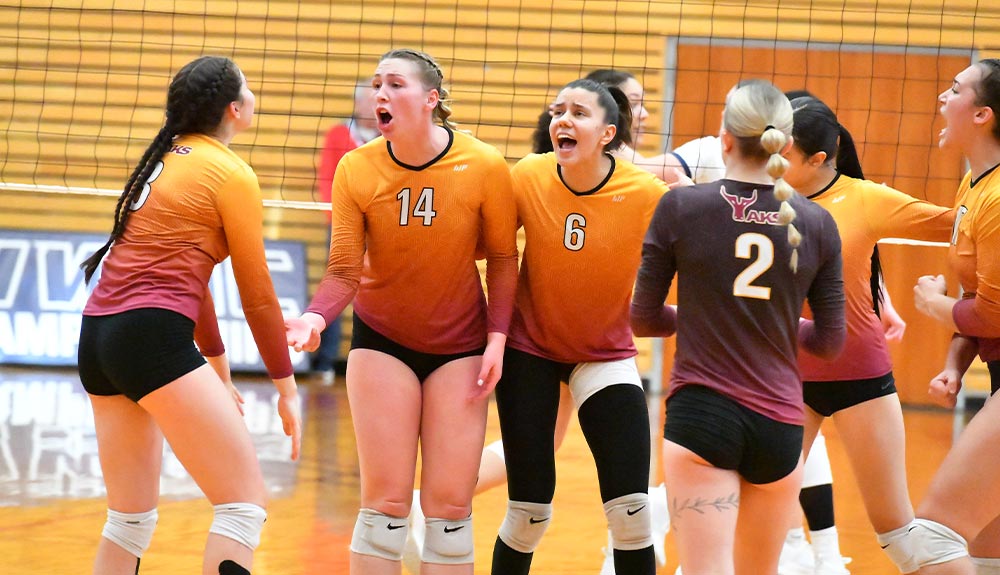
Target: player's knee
(241,522)
(920,543)
(379,535)
(130,531)
(524,525)
(986,565)
(448,541)
(629,522)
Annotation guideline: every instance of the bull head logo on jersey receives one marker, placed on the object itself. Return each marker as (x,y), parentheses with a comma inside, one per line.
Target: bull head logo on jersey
(741,211)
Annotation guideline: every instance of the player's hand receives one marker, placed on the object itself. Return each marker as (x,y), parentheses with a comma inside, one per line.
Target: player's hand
(682,180)
(489,374)
(892,325)
(235,394)
(926,289)
(303,333)
(290,412)
(944,388)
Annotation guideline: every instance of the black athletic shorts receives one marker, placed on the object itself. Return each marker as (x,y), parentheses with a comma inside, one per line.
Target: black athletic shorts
(731,436)
(135,352)
(422,364)
(829,397)
(994,367)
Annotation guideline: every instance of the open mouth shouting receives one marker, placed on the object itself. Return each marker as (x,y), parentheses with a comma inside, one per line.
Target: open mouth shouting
(565,143)
(384,117)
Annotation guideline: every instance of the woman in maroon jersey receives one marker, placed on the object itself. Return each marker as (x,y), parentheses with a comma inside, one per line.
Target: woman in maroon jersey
(733,433)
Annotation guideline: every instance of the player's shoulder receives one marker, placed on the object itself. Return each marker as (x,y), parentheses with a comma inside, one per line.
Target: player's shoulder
(534,163)
(465,142)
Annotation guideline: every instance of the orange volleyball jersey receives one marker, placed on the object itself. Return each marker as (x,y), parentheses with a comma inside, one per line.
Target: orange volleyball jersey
(581,254)
(865,213)
(404,240)
(203,205)
(975,256)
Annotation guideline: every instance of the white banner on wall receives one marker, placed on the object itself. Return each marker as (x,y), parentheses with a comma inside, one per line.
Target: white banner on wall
(42,295)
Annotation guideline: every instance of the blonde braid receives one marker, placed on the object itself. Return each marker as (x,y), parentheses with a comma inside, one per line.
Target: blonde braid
(773,141)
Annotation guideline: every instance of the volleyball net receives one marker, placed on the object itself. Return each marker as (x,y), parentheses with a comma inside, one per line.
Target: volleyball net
(83,84)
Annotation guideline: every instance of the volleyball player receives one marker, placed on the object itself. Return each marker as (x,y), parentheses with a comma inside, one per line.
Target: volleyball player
(857,390)
(583,215)
(189,203)
(427,350)
(733,433)
(963,502)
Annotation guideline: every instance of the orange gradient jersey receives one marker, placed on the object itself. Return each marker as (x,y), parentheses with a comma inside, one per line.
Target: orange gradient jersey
(581,254)
(404,241)
(203,205)
(865,213)
(975,257)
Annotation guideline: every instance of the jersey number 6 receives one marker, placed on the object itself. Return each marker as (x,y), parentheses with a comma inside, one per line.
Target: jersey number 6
(573,233)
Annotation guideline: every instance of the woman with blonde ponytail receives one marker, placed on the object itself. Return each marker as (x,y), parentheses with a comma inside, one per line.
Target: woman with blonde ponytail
(733,433)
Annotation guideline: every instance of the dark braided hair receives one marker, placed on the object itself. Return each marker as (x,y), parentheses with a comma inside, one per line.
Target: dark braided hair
(431,77)
(196,101)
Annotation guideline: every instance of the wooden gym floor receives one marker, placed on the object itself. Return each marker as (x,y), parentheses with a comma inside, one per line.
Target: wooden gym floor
(52,507)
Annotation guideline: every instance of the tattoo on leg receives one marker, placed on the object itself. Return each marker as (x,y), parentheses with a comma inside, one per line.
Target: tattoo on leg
(700,505)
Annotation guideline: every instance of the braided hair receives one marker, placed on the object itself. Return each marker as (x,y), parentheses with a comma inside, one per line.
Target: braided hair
(196,101)
(431,77)
(759,116)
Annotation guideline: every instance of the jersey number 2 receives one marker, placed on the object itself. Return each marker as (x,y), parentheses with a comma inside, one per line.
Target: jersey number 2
(424,207)
(743,286)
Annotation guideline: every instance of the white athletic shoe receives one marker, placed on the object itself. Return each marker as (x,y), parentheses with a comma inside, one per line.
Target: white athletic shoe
(608,567)
(796,557)
(660,518)
(832,567)
(415,536)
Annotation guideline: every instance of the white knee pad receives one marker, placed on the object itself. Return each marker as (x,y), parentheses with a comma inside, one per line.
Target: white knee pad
(629,522)
(380,535)
(524,525)
(448,541)
(922,542)
(496,448)
(817,467)
(986,565)
(241,522)
(130,531)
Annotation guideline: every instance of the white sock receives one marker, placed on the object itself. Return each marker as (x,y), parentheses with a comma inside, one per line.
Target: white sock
(986,565)
(795,535)
(826,544)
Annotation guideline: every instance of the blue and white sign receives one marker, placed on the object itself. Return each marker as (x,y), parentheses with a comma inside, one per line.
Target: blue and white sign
(42,295)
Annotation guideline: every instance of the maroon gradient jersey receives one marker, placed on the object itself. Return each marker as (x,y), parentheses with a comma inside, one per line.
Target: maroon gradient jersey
(739,301)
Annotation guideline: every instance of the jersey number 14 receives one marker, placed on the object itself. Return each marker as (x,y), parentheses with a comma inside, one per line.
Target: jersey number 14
(423,208)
